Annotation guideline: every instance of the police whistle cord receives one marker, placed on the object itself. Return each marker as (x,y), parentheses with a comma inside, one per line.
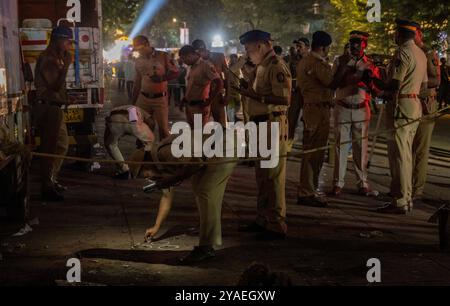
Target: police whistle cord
(433,116)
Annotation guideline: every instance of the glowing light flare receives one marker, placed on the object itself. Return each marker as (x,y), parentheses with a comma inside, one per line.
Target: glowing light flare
(217,41)
(150,9)
(114,54)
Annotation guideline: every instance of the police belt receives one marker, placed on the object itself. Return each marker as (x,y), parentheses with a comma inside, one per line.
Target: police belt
(407,96)
(196,103)
(265,118)
(352,106)
(318,104)
(153,96)
(119,112)
(51,103)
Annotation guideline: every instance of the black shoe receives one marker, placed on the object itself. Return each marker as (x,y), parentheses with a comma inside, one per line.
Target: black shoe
(392,209)
(51,195)
(60,188)
(197,255)
(312,202)
(270,235)
(251,228)
(123,176)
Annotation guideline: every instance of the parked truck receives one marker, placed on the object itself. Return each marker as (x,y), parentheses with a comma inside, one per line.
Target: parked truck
(85,83)
(14,118)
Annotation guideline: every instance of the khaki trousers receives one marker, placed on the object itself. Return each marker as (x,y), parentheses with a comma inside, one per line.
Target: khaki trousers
(421,152)
(54,140)
(218,111)
(205,111)
(271,205)
(400,146)
(209,188)
(159,110)
(316,120)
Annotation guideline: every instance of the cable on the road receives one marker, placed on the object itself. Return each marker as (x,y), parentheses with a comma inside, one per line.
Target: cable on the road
(434,116)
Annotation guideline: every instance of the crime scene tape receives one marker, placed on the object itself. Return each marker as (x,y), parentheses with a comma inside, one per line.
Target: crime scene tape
(226,160)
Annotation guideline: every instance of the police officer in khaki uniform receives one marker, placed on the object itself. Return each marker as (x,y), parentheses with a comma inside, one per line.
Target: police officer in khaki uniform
(249,74)
(422,140)
(153,71)
(295,108)
(126,120)
(50,82)
(270,96)
(218,60)
(352,114)
(204,85)
(208,182)
(407,75)
(317,83)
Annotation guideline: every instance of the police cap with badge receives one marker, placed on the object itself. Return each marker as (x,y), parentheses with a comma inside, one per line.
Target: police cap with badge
(255,36)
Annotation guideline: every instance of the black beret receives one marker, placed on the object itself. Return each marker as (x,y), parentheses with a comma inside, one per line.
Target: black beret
(322,39)
(407,25)
(254,35)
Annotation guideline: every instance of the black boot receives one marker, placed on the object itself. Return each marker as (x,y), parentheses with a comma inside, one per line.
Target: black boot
(197,255)
(122,176)
(60,188)
(392,209)
(251,228)
(311,201)
(49,194)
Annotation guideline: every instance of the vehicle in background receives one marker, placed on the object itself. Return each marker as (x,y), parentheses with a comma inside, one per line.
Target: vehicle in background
(14,118)
(85,79)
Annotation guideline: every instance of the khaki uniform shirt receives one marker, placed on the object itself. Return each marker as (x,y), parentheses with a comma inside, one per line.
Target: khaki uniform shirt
(428,94)
(49,68)
(159,64)
(410,69)
(314,75)
(273,78)
(233,79)
(199,80)
(433,72)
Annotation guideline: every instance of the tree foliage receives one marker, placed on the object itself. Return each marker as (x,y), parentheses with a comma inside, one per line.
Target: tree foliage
(285,19)
(346,15)
(118,15)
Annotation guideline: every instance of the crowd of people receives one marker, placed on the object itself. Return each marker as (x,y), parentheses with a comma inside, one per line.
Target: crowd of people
(266,87)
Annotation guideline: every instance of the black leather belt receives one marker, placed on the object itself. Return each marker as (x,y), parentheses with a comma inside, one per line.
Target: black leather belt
(196,103)
(59,104)
(119,112)
(352,106)
(154,96)
(265,118)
